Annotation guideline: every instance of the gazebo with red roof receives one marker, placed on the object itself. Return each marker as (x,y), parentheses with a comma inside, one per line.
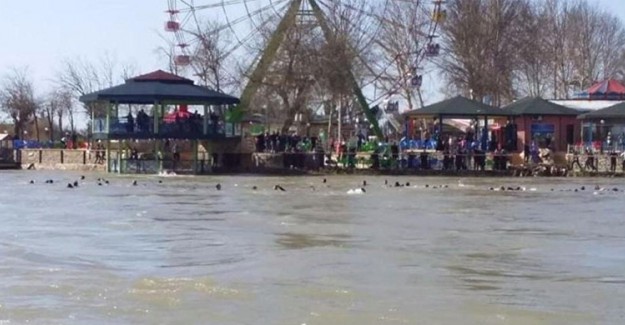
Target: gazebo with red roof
(609,89)
(156,107)
(159,87)
(598,123)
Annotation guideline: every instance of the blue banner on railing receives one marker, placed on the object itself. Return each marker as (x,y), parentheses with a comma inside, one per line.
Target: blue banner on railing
(32,144)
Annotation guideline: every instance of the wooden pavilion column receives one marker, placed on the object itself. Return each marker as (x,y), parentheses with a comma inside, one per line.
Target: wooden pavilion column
(156,117)
(109,108)
(119,143)
(92,123)
(205,121)
(116,110)
(195,144)
(119,157)
(527,129)
(559,142)
(485,135)
(440,129)
(512,120)
(581,131)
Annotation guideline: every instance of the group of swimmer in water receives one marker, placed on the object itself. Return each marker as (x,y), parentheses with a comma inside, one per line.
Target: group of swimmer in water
(75,184)
(362,189)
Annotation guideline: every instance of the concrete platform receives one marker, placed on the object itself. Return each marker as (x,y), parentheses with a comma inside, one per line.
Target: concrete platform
(9,165)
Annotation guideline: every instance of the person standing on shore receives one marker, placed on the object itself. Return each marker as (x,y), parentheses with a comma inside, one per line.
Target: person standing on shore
(175,153)
(576,161)
(613,157)
(535,153)
(590,160)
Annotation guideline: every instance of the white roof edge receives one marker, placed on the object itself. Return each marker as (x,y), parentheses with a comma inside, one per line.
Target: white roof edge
(585,104)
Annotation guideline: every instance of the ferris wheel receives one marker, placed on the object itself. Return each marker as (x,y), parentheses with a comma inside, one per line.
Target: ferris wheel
(246,21)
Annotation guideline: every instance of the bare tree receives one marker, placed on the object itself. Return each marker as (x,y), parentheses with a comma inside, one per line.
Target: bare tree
(50,110)
(407,28)
(335,57)
(311,70)
(82,77)
(66,105)
(612,38)
(210,54)
(346,59)
(557,42)
(597,42)
(464,38)
(168,53)
(534,55)
(482,39)
(286,89)
(291,76)
(60,115)
(565,44)
(17,99)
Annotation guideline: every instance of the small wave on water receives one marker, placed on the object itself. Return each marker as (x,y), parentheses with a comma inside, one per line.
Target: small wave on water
(302,241)
(168,293)
(151,287)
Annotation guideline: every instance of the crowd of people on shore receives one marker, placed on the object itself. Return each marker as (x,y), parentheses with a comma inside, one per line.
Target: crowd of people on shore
(281,142)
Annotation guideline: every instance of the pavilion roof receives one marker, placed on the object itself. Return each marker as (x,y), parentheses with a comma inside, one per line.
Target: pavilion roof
(539,106)
(160,86)
(459,106)
(613,112)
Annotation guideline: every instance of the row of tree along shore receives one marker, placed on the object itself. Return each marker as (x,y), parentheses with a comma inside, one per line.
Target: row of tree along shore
(497,49)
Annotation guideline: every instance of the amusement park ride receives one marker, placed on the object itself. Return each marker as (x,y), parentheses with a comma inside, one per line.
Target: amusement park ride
(245,19)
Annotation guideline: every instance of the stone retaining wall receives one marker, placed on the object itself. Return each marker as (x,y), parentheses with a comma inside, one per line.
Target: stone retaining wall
(59,159)
(304,161)
(83,160)
(602,162)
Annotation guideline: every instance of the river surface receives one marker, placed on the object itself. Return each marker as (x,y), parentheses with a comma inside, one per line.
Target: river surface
(181,252)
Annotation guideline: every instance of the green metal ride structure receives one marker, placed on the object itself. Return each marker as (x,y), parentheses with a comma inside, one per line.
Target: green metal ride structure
(246,20)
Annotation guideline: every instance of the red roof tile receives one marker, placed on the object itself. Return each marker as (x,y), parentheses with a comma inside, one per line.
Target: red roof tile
(160,75)
(609,86)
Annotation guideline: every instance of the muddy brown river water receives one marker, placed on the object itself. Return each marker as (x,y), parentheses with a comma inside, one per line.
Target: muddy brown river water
(181,252)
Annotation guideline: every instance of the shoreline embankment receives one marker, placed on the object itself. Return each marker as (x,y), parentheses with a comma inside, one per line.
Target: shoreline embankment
(274,165)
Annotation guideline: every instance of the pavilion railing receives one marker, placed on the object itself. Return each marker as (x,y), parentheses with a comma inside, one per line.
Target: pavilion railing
(186,128)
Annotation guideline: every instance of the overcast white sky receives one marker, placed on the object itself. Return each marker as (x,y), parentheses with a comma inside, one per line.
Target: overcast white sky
(40,33)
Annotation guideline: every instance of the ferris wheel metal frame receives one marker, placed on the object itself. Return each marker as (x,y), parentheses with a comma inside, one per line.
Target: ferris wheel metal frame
(183,13)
